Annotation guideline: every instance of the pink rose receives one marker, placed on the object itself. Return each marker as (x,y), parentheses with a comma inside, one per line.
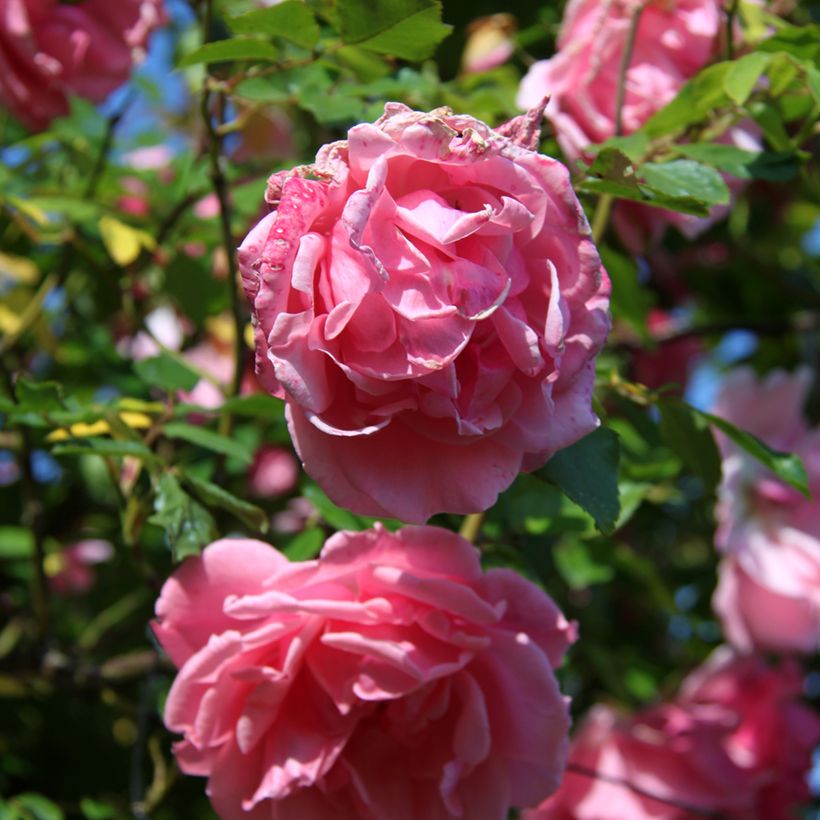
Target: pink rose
(737,744)
(768,596)
(772,733)
(274,472)
(490,43)
(429,303)
(51,50)
(669,362)
(69,571)
(390,678)
(674,40)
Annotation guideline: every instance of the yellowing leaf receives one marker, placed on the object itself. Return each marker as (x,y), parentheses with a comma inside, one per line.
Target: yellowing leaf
(98,428)
(123,242)
(9,320)
(32,211)
(18,269)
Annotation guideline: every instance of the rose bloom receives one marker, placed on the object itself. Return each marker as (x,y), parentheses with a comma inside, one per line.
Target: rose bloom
(768,595)
(737,744)
(50,51)
(674,40)
(70,570)
(773,734)
(428,301)
(274,472)
(390,678)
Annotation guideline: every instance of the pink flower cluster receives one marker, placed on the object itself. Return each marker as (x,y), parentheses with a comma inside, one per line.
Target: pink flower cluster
(389,678)
(51,50)
(768,596)
(427,295)
(735,743)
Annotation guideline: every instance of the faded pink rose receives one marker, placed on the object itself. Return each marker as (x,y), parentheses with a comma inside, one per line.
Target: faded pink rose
(70,570)
(490,43)
(768,596)
(429,303)
(736,744)
(669,362)
(50,51)
(390,678)
(772,733)
(674,40)
(274,472)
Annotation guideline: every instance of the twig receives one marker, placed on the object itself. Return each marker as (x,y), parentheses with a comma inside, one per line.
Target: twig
(220,186)
(626,58)
(603,208)
(731,11)
(617,781)
(105,147)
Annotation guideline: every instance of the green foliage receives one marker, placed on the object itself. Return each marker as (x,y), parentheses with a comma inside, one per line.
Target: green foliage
(410,29)
(587,472)
(187,525)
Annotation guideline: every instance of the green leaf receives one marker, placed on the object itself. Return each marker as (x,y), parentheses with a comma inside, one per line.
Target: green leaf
(291,20)
(688,434)
(587,472)
(578,567)
(208,439)
(37,806)
(257,404)
(743,74)
(337,517)
(306,545)
(786,466)
(235,49)
(802,42)
(682,178)
(409,29)
(769,165)
(187,524)
(631,301)
(331,109)
(167,372)
(210,493)
(109,448)
(692,104)
(16,543)
(97,810)
(39,397)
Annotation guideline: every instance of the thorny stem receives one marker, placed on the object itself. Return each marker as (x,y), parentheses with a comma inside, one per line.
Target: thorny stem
(617,781)
(220,186)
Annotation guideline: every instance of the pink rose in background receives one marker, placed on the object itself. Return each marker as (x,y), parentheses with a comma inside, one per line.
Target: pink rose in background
(736,743)
(772,733)
(390,678)
(429,303)
(274,472)
(51,50)
(669,362)
(70,570)
(674,40)
(768,595)
(490,43)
